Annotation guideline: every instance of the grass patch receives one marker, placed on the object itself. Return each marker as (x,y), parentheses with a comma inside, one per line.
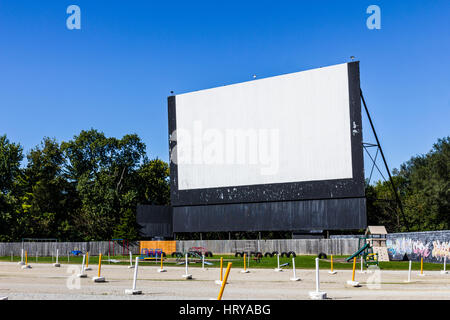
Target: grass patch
(301,262)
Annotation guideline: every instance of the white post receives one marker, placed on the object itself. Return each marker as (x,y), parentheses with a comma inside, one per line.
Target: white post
(278,269)
(131,261)
(36,256)
(135,275)
(203,261)
(56,264)
(187,275)
(362,269)
(82,274)
(293,269)
(11,256)
(134,291)
(409,271)
(317,275)
(445,266)
(21,258)
(317,295)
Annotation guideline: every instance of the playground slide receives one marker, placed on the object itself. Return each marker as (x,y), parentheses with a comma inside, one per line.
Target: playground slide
(357,253)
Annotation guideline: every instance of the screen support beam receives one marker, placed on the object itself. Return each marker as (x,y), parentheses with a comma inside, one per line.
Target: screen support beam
(397,198)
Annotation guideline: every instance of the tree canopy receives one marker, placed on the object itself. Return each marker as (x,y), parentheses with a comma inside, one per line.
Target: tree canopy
(86,188)
(423,183)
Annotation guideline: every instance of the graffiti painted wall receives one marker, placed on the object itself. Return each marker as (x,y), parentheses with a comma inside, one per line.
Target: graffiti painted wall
(433,246)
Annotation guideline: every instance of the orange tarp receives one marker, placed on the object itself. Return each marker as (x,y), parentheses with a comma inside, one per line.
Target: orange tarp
(166,246)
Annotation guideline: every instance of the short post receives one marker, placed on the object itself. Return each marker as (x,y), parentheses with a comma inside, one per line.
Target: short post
(224,282)
(56,264)
(131,261)
(187,275)
(317,295)
(134,291)
(294,278)
(82,274)
(331,270)
(245,265)
(203,261)
(162,269)
(445,266)
(21,258)
(221,272)
(99,278)
(87,262)
(11,256)
(278,269)
(421,267)
(26,266)
(36,256)
(409,271)
(362,265)
(68,255)
(352,282)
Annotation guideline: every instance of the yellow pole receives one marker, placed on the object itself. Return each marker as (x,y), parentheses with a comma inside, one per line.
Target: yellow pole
(331,263)
(224,282)
(87,259)
(26,257)
(221,269)
(161,261)
(245,265)
(421,265)
(354,267)
(99,265)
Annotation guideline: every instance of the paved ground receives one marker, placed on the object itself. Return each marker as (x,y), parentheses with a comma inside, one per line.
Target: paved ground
(43,281)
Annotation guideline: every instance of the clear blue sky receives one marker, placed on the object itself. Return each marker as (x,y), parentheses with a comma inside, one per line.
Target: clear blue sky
(116,72)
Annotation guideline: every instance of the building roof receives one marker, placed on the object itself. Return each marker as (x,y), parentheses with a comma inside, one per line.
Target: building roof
(376,230)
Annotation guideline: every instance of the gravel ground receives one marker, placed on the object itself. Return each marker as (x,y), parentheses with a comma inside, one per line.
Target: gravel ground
(43,281)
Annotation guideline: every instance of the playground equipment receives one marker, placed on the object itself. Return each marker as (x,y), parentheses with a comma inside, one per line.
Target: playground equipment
(151,254)
(99,278)
(199,251)
(317,295)
(352,282)
(331,270)
(224,282)
(372,247)
(294,278)
(76,252)
(56,264)
(118,243)
(133,291)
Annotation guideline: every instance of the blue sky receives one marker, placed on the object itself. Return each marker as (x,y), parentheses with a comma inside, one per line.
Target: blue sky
(116,72)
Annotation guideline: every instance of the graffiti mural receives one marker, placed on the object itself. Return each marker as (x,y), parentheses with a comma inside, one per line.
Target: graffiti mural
(420,245)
